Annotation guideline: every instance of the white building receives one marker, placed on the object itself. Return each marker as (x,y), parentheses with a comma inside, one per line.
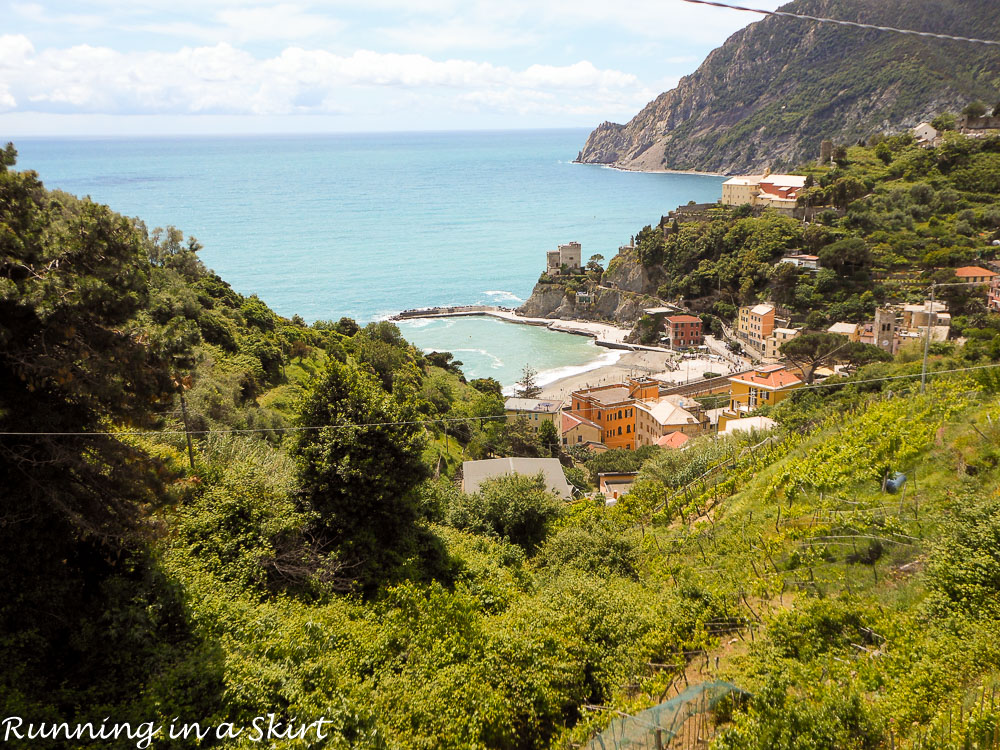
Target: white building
(925,133)
(802,261)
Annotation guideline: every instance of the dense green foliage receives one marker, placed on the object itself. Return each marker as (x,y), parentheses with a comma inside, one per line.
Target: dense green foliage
(326,565)
(905,216)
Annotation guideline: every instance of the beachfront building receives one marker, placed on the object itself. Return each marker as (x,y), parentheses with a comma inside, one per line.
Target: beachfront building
(772,344)
(566,257)
(534,410)
(755,324)
(777,191)
(613,408)
(764,386)
(577,430)
(670,414)
(474,473)
(684,331)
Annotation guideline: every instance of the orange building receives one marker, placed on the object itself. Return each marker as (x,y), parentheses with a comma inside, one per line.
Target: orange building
(612,408)
(755,324)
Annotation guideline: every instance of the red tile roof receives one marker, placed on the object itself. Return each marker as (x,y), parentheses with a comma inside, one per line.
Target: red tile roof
(683,319)
(966,272)
(673,440)
(769,377)
(569,421)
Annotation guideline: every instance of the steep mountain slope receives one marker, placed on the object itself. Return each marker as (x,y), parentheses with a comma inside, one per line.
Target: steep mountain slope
(776,89)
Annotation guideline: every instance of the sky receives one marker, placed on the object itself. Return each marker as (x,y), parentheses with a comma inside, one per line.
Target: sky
(117,67)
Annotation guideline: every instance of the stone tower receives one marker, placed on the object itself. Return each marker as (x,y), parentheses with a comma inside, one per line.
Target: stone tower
(885,330)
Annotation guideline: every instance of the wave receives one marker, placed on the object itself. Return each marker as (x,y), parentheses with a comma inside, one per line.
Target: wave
(609,357)
(503,294)
(495,362)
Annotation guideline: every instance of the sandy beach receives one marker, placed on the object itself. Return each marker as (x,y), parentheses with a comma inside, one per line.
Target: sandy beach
(665,366)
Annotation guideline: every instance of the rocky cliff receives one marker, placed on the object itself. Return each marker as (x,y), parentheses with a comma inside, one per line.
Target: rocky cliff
(776,89)
(626,289)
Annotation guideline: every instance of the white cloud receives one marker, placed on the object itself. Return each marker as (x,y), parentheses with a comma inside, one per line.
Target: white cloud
(457,34)
(7,101)
(15,49)
(224,79)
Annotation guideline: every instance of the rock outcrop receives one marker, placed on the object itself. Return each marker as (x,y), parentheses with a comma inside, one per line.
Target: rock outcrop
(769,95)
(625,291)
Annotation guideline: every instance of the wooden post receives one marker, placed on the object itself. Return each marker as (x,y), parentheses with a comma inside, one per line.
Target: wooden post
(659,739)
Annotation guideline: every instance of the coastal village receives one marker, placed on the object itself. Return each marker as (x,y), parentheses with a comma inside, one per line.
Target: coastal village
(686,383)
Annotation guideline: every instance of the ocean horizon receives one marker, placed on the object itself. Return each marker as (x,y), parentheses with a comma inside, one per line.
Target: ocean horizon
(365,225)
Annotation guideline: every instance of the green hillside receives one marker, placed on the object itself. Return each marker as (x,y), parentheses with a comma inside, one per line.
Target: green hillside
(317,562)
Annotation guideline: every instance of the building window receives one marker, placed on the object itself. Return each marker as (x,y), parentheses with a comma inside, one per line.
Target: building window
(619,430)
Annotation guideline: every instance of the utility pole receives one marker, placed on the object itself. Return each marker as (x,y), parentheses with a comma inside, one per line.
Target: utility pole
(927,340)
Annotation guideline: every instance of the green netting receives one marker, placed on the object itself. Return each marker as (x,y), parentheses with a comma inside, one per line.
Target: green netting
(639,731)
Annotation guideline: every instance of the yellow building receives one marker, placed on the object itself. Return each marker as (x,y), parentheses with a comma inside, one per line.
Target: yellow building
(852,331)
(577,430)
(764,386)
(534,410)
(772,344)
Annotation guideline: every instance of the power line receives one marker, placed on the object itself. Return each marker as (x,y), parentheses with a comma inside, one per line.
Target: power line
(140,433)
(300,428)
(841,22)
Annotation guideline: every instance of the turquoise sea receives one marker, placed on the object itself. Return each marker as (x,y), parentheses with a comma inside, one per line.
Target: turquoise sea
(365,225)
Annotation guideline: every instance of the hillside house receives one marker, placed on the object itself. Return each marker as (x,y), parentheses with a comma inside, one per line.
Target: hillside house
(926,134)
(851,331)
(615,485)
(673,440)
(764,386)
(655,419)
(975,274)
(577,430)
(772,344)
(993,297)
(474,473)
(916,317)
(777,191)
(534,410)
(809,262)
